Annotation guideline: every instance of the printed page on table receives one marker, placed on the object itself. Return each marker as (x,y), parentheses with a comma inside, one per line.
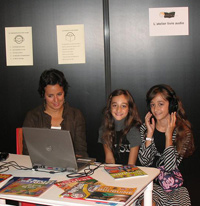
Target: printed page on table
(81,189)
(4,178)
(27,186)
(124,171)
(111,194)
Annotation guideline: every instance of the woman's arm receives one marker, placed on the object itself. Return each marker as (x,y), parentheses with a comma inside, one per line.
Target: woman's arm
(79,134)
(133,155)
(109,158)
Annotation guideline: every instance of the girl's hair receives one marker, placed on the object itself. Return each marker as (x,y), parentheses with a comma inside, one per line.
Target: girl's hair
(184,136)
(52,77)
(132,118)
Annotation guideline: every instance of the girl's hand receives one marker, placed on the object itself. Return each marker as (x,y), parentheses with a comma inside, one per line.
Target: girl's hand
(171,124)
(150,124)
(109,158)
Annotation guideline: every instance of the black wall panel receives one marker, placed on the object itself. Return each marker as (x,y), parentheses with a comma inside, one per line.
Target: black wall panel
(139,61)
(19,84)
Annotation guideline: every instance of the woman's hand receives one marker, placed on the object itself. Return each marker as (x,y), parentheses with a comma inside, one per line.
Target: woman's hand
(150,124)
(171,124)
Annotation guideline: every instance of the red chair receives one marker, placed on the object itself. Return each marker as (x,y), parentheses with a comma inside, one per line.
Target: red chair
(19,149)
(19,141)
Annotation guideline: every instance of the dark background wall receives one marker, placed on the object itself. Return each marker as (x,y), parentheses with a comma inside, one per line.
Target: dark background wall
(138,62)
(19,84)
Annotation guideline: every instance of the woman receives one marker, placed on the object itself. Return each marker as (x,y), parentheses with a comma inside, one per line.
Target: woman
(166,139)
(55,113)
(119,132)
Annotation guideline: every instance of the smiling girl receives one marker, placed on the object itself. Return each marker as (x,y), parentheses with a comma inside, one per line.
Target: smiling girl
(119,132)
(166,139)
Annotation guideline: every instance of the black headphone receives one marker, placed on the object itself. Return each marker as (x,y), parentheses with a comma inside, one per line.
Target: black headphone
(173,103)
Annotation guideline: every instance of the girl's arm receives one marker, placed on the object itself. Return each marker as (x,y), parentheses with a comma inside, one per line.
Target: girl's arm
(133,155)
(150,124)
(109,155)
(171,124)
(146,155)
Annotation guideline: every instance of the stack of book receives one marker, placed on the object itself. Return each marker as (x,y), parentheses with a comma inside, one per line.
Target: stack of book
(91,189)
(84,188)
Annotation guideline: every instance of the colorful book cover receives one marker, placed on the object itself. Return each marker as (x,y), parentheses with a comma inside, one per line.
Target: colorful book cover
(111,194)
(4,177)
(124,171)
(27,186)
(81,189)
(67,184)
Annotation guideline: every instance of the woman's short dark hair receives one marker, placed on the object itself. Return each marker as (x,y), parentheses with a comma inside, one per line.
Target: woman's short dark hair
(52,77)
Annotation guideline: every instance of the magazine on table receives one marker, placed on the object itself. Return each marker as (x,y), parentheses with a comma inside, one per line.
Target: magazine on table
(111,194)
(67,184)
(27,186)
(124,171)
(4,177)
(80,189)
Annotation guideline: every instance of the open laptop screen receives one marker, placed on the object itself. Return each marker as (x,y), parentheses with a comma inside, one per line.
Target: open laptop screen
(50,149)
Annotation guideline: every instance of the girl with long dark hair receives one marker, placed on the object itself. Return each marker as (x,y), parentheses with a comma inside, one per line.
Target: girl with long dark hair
(119,132)
(166,139)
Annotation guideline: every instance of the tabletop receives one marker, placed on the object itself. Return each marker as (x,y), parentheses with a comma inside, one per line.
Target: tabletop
(51,196)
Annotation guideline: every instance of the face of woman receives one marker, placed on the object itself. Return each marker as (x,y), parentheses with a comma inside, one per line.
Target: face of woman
(119,107)
(54,96)
(159,107)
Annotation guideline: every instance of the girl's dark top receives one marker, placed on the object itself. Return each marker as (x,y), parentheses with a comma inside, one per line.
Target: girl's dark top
(159,139)
(121,150)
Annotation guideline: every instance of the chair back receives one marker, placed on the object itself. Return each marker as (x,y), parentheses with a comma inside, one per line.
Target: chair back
(19,140)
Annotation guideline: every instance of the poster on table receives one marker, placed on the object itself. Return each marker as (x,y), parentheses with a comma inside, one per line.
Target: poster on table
(171,21)
(71,44)
(19,46)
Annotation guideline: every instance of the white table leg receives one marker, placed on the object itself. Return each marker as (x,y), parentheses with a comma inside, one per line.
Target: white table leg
(148,195)
(2,202)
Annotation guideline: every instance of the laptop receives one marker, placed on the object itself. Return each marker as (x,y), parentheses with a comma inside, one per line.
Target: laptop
(52,150)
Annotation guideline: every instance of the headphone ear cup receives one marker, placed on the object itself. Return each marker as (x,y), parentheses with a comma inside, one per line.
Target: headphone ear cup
(173,105)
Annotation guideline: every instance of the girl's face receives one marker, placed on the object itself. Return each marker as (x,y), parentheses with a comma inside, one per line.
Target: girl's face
(54,96)
(159,107)
(119,107)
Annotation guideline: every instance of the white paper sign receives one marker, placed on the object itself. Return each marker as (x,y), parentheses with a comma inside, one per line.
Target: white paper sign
(19,47)
(168,21)
(71,44)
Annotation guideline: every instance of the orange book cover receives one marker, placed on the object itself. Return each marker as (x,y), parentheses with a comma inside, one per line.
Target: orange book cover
(4,177)
(111,194)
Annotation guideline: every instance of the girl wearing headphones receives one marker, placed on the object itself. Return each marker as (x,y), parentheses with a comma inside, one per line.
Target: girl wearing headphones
(166,139)
(119,132)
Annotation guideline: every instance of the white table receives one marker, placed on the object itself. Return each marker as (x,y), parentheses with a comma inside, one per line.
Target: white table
(51,196)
